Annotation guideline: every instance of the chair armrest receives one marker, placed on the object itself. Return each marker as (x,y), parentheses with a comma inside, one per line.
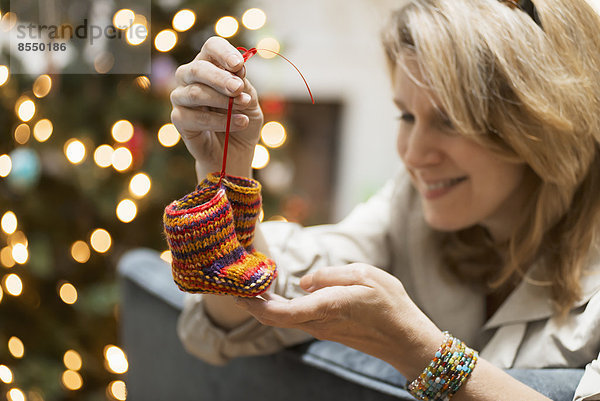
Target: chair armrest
(145,268)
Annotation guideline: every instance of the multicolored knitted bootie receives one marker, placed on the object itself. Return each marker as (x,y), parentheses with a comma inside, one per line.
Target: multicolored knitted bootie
(207,256)
(244,196)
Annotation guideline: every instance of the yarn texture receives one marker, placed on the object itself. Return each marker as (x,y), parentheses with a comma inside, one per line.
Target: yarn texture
(210,234)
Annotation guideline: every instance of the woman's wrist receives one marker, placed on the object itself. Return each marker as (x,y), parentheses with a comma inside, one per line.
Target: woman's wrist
(242,167)
(223,311)
(449,368)
(418,352)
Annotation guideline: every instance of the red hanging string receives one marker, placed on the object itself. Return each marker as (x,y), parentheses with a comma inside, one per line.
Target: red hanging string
(226,145)
(246,54)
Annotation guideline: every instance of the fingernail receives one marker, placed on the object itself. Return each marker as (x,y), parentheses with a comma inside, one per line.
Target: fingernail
(239,119)
(234,60)
(245,98)
(306,282)
(234,84)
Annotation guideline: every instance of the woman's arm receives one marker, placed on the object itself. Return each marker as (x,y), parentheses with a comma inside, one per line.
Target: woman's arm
(488,382)
(368,309)
(214,330)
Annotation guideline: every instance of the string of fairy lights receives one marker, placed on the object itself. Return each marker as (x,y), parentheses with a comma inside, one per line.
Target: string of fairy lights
(117,156)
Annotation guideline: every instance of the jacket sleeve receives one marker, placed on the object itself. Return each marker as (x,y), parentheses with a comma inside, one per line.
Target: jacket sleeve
(363,236)
(589,386)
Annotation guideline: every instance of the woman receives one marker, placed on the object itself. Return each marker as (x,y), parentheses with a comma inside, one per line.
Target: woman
(491,232)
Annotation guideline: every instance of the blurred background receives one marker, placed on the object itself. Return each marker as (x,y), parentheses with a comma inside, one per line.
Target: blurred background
(89,160)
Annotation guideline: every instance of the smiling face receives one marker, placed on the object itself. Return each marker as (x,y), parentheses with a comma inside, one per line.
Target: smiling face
(461,183)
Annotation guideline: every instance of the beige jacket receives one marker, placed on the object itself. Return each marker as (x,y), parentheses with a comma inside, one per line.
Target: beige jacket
(389,231)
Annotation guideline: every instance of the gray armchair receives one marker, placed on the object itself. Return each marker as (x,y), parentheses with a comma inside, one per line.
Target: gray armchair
(160,369)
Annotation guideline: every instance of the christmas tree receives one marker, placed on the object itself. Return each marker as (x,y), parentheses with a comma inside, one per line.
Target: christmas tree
(87,163)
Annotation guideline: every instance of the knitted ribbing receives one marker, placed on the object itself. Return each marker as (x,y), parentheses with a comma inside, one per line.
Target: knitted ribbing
(207,256)
(244,196)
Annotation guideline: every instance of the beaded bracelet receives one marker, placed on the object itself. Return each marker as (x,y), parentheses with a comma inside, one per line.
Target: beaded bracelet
(448,370)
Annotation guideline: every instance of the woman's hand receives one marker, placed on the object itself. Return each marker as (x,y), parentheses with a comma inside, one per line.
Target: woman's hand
(360,306)
(200,108)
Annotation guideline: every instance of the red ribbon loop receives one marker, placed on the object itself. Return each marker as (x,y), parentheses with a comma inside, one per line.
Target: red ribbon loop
(246,54)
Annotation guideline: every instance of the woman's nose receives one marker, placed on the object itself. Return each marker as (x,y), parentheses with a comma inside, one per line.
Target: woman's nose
(418,148)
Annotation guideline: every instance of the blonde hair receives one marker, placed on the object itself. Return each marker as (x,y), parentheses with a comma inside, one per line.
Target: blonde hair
(531,94)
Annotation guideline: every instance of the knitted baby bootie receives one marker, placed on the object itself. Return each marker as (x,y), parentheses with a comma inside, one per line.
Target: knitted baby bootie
(207,256)
(244,196)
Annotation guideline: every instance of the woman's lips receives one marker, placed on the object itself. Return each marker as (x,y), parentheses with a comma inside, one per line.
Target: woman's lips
(437,189)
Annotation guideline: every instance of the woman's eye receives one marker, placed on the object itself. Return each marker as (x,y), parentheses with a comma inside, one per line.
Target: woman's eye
(406,117)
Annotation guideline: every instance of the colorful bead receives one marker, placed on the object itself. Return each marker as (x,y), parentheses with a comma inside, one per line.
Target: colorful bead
(450,367)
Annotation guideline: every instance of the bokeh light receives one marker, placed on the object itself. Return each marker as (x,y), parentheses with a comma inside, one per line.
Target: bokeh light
(80,251)
(72,380)
(165,40)
(22,134)
(167,256)
(122,159)
(13,284)
(72,360)
(273,134)
(75,151)
(20,253)
(117,390)
(104,62)
(42,130)
(18,237)
(254,18)
(168,135)
(143,82)
(9,222)
(261,157)
(42,86)
(115,359)
(140,19)
(123,18)
(184,20)
(100,240)
(126,210)
(6,374)
(136,34)
(15,394)
(268,44)
(5,165)
(103,155)
(8,22)
(140,185)
(226,27)
(68,293)
(122,131)
(16,347)
(25,109)
(4,74)
(6,258)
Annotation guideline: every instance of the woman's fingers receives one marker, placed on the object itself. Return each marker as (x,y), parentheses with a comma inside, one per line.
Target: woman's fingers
(190,121)
(205,72)
(275,310)
(221,52)
(353,274)
(197,95)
